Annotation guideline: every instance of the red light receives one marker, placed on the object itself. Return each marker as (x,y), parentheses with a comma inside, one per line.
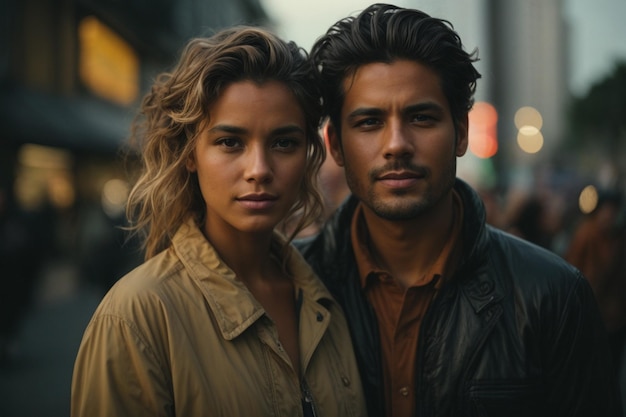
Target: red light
(482,135)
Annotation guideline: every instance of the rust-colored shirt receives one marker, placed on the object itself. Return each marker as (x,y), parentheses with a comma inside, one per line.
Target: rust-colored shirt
(400,311)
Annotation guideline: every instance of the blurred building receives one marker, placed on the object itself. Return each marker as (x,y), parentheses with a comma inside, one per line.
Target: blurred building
(72,73)
(519,120)
(528,80)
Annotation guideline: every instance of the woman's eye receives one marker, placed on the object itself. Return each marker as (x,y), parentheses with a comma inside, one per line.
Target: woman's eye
(228,142)
(286,144)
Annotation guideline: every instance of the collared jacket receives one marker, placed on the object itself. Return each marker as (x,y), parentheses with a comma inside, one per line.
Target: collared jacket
(514,332)
(182,336)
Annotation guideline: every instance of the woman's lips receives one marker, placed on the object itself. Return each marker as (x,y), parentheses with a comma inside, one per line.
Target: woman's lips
(257,201)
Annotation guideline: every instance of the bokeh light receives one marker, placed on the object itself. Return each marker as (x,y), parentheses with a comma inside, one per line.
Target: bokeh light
(108,65)
(114,195)
(482,134)
(528,121)
(528,116)
(530,143)
(588,199)
(44,176)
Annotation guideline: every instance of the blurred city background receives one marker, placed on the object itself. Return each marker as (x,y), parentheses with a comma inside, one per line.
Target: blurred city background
(547,148)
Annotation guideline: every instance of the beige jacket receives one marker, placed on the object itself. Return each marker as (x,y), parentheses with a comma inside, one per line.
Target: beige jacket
(181,336)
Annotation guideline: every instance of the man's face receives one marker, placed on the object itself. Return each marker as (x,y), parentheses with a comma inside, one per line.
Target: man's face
(398,143)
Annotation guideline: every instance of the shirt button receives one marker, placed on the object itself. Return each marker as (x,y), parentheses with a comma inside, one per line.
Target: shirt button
(404,391)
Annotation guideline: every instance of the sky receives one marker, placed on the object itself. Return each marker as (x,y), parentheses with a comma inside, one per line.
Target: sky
(597,28)
(597,39)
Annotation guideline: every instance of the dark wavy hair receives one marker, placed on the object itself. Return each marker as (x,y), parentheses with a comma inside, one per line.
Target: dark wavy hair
(167,126)
(385,33)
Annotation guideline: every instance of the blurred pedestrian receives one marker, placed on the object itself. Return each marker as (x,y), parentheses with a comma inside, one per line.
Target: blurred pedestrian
(224,318)
(26,241)
(528,221)
(598,249)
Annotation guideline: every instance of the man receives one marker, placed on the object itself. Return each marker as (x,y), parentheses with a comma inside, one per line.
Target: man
(449,317)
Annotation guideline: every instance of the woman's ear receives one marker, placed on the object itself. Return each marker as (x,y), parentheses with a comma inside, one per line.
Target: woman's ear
(333,143)
(191,162)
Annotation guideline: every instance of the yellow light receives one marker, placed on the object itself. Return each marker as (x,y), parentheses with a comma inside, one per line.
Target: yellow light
(530,143)
(44,176)
(528,130)
(588,199)
(114,195)
(61,191)
(528,116)
(43,157)
(107,64)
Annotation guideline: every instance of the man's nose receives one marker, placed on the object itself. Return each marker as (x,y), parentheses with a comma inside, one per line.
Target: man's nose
(398,142)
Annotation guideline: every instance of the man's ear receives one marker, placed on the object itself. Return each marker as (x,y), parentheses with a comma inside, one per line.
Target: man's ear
(462,138)
(333,143)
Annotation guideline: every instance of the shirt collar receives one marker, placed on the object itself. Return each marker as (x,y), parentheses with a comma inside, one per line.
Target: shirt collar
(235,308)
(442,267)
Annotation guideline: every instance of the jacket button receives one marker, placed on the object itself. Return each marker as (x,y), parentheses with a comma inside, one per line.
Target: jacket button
(346,381)
(319,316)
(404,391)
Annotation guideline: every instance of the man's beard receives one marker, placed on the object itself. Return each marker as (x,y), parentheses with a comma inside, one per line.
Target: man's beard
(403,208)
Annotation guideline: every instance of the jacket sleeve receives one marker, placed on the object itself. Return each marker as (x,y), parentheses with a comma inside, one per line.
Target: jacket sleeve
(580,373)
(117,374)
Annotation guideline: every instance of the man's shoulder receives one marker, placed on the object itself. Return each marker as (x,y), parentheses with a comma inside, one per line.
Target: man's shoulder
(304,244)
(528,263)
(334,233)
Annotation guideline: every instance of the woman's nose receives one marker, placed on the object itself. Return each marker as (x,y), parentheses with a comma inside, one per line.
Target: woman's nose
(258,165)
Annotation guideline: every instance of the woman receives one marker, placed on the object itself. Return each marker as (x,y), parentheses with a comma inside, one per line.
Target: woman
(224,318)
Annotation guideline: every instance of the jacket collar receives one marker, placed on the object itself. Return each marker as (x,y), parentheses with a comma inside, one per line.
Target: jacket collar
(473,229)
(479,284)
(476,273)
(234,307)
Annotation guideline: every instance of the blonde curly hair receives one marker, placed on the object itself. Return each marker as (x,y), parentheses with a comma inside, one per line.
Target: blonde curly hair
(166,128)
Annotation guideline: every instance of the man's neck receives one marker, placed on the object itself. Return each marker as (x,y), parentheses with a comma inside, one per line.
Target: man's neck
(408,248)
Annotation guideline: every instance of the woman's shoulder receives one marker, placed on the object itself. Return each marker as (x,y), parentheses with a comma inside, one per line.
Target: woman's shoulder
(143,287)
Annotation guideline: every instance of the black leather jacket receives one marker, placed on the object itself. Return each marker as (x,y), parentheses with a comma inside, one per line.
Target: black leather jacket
(516,331)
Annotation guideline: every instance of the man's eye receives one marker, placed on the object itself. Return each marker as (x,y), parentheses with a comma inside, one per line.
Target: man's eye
(367,122)
(420,118)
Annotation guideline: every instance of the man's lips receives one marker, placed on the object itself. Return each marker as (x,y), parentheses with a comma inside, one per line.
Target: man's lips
(402,175)
(402,179)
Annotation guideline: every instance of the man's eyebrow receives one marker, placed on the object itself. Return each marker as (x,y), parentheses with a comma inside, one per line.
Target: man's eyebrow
(425,106)
(374,111)
(365,111)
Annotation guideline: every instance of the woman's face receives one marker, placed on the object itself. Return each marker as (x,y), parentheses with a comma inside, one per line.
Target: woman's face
(250,157)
